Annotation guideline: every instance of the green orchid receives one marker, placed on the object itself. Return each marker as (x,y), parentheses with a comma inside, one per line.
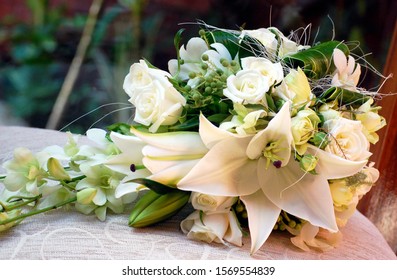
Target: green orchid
(262,172)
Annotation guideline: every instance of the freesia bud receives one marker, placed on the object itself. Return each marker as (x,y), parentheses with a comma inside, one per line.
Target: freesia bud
(56,170)
(153,207)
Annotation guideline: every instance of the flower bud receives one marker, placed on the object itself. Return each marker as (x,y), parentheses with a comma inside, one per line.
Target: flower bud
(153,207)
(4,216)
(308,163)
(320,139)
(56,170)
(86,196)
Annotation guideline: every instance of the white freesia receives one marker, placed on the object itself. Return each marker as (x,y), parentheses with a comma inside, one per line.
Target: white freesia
(347,139)
(211,203)
(191,56)
(170,156)
(267,188)
(247,87)
(347,72)
(245,121)
(213,227)
(371,120)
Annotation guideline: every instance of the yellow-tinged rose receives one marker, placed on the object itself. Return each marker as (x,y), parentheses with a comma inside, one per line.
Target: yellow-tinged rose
(342,194)
(304,126)
(298,83)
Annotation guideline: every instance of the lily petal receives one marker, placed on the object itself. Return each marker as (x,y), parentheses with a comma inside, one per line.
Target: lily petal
(172,174)
(279,128)
(301,194)
(224,171)
(210,134)
(262,216)
(331,166)
(174,141)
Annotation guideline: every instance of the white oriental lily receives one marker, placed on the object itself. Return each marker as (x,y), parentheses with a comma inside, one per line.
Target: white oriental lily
(240,166)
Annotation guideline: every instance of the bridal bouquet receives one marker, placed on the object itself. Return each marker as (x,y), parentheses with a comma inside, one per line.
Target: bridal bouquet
(255,130)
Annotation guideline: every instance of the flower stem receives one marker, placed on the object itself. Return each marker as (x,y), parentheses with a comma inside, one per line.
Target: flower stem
(32,213)
(29,200)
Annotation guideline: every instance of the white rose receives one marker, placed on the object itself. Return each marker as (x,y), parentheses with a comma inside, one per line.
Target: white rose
(247,87)
(158,104)
(141,77)
(347,139)
(274,71)
(211,203)
(287,46)
(214,227)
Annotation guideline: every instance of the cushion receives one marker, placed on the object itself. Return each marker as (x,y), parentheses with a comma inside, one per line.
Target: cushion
(67,234)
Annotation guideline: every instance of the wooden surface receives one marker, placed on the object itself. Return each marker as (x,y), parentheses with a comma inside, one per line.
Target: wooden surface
(380,205)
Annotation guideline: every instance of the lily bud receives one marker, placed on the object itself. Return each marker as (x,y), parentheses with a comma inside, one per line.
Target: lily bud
(56,170)
(153,207)
(86,196)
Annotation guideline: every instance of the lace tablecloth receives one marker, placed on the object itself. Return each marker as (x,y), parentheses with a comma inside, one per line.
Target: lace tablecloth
(66,234)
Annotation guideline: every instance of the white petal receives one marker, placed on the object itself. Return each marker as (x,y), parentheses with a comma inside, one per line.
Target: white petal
(331,166)
(262,216)
(174,141)
(174,173)
(100,197)
(210,134)
(233,234)
(340,60)
(126,188)
(279,128)
(224,170)
(301,194)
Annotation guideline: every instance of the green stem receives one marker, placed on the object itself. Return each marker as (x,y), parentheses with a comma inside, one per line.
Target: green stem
(2,177)
(29,200)
(32,213)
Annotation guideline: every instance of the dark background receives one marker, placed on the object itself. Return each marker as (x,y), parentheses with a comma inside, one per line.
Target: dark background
(38,40)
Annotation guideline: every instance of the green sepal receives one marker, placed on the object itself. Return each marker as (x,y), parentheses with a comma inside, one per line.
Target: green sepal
(344,97)
(316,61)
(153,207)
(153,185)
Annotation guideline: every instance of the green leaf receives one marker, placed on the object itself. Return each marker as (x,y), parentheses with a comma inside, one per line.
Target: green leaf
(153,207)
(154,186)
(122,128)
(316,62)
(189,125)
(177,40)
(242,47)
(344,96)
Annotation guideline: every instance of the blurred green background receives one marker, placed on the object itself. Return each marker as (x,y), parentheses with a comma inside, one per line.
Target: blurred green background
(39,39)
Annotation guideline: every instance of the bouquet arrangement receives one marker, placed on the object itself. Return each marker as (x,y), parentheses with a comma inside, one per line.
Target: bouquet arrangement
(255,130)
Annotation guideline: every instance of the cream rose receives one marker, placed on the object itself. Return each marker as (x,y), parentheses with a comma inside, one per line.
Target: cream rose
(158,104)
(247,87)
(211,203)
(265,37)
(141,77)
(347,139)
(213,227)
